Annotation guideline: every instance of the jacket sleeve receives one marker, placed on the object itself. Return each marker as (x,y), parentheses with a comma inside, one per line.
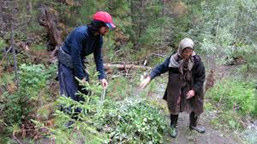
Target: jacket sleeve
(99,59)
(160,69)
(76,49)
(199,76)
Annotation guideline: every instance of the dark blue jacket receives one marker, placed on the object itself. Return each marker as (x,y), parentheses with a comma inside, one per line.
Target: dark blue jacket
(160,69)
(80,43)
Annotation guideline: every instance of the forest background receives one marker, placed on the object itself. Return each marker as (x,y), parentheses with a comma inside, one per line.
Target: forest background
(148,31)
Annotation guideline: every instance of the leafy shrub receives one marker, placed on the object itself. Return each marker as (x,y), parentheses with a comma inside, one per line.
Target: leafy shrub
(132,120)
(33,80)
(136,120)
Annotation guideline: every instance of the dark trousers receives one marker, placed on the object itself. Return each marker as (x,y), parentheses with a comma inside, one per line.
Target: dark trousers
(69,86)
(192,117)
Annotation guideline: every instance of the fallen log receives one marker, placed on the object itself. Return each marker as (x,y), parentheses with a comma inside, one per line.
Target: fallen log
(126,66)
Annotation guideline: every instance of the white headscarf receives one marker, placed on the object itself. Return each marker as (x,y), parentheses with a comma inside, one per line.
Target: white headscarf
(177,61)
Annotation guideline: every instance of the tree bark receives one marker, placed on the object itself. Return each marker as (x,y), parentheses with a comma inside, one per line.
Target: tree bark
(30,12)
(14,56)
(162,15)
(50,21)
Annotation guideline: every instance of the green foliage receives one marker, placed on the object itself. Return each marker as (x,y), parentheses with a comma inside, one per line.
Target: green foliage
(236,99)
(136,121)
(131,120)
(151,25)
(33,79)
(120,88)
(219,28)
(235,94)
(227,120)
(2,47)
(6,78)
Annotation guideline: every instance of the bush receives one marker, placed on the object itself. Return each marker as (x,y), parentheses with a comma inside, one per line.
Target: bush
(132,120)
(135,120)
(33,80)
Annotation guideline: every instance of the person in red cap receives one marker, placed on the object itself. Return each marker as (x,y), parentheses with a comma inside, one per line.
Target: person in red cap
(81,42)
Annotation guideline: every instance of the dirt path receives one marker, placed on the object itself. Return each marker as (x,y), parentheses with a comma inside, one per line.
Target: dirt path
(211,136)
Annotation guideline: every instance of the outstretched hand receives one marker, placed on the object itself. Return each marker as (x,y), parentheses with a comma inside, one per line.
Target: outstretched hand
(104,83)
(145,82)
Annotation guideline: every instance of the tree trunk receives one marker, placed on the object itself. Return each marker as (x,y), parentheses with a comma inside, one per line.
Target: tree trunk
(140,19)
(14,56)
(30,12)
(162,15)
(50,21)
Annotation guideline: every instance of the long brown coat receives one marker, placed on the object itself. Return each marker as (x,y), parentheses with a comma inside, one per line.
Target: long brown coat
(177,89)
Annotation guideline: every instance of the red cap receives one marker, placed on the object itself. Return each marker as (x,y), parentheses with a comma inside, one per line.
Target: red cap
(104,17)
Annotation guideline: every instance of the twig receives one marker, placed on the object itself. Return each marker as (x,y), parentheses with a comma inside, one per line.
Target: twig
(155,54)
(5,55)
(208,141)
(16,139)
(220,99)
(116,53)
(8,50)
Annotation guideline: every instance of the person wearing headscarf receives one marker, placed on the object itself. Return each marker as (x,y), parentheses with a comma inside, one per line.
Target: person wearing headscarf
(184,92)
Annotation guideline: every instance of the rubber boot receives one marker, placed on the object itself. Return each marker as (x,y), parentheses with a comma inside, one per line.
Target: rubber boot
(193,123)
(173,126)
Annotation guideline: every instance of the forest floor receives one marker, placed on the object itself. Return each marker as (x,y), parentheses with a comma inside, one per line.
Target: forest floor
(211,136)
